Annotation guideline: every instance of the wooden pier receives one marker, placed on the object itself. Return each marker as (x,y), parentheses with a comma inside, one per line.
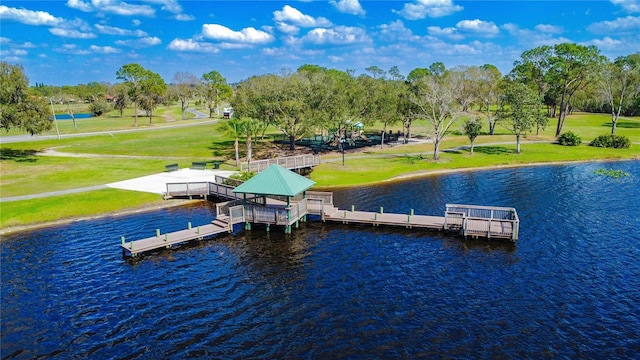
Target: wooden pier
(245,206)
(225,219)
(290,162)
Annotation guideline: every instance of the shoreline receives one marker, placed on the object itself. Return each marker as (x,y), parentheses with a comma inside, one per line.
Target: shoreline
(175,203)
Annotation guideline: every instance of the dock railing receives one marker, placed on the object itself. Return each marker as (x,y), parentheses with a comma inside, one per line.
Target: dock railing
(486,221)
(290,162)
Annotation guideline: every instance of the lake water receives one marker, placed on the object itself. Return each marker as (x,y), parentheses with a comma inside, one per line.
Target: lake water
(77,116)
(569,288)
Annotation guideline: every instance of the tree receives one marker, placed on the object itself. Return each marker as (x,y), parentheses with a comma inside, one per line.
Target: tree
(17,108)
(472,128)
(99,107)
(233,128)
(518,109)
(215,89)
(152,88)
(571,66)
(435,97)
(619,81)
(133,75)
(488,92)
(185,85)
(121,100)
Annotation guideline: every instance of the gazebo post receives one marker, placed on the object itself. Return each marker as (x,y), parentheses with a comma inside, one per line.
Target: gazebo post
(247,224)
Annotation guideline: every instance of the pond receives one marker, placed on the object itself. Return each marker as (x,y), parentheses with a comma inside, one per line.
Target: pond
(77,116)
(568,288)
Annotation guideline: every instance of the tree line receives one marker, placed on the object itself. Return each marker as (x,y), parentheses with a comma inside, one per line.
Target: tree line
(545,82)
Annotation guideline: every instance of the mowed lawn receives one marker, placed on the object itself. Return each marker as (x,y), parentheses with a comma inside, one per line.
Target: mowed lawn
(106,158)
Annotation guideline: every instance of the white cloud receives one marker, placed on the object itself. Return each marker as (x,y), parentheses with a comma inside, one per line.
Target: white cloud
(395,31)
(70,33)
(111,30)
(448,32)
(295,17)
(352,7)
(477,26)
(606,43)
(72,49)
(140,43)
(287,28)
(185,17)
(192,46)
(111,6)
(420,9)
(247,35)
(340,35)
(103,49)
(29,17)
(631,6)
(551,29)
(629,24)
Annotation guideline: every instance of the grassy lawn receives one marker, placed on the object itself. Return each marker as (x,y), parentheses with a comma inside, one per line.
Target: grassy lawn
(368,170)
(24,172)
(35,211)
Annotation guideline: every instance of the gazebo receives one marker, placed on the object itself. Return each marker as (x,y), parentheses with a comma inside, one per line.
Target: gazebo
(269,184)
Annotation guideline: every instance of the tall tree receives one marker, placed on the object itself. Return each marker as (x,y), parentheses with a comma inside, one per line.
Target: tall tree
(215,89)
(233,128)
(619,81)
(185,85)
(152,88)
(17,108)
(436,100)
(571,66)
(133,75)
(518,109)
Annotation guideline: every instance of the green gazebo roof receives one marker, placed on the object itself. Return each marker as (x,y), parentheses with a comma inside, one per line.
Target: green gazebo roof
(275,180)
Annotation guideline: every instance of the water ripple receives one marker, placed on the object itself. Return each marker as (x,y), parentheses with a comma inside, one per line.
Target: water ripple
(569,288)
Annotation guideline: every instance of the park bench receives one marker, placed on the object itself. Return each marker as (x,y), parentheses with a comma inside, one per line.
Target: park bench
(198,165)
(172,167)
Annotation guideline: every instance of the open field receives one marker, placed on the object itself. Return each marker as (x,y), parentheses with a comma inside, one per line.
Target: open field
(100,159)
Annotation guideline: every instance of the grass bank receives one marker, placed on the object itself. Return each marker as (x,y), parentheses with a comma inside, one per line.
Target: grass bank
(101,159)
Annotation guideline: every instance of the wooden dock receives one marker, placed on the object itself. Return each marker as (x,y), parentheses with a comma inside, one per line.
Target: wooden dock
(289,162)
(466,220)
(498,223)
(225,219)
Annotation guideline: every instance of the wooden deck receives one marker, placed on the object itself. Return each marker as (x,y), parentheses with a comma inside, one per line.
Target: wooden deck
(465,220)
(226,218)
(290,162)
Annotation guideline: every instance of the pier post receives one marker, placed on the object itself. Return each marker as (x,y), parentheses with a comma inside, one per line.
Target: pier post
(122,239)
(189,225)
(157,232)
(381,210)
(198,230)
(166,236)
(353,208)
(268,228)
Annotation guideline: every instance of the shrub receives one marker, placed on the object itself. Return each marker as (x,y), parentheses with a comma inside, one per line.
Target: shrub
(99,107)
(612,141)
(569,139)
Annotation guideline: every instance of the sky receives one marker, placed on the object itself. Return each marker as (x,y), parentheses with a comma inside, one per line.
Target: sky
(70,42)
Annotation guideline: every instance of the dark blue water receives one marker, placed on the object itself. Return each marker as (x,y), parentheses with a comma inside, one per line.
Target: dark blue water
(77,116)
(570,287)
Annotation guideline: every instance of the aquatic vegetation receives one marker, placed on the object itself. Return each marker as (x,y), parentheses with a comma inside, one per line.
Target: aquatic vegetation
(612,173)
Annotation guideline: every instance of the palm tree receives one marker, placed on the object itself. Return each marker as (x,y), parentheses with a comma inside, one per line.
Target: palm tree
(233,128)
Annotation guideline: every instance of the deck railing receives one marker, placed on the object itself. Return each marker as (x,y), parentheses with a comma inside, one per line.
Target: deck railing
(291,162)
(486,221)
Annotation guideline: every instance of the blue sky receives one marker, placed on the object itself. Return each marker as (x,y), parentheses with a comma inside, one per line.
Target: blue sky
(67,42)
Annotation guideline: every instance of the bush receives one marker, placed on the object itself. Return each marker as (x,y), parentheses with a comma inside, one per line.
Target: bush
(612,141)
(99,107)
(569,139)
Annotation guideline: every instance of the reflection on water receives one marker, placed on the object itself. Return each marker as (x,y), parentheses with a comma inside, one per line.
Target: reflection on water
(568,288)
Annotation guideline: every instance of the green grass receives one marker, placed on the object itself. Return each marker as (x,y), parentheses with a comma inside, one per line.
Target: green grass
(359,171)
(35,211)
(24,172)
